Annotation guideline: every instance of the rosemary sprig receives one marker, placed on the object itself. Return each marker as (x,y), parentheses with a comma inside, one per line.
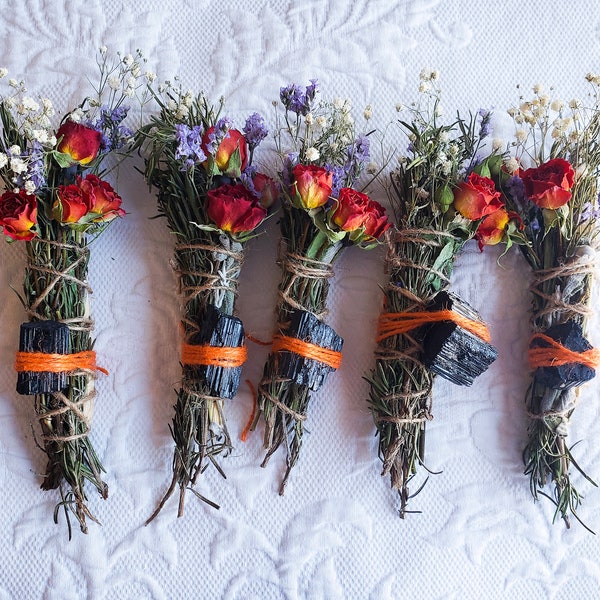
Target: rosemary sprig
(181,147)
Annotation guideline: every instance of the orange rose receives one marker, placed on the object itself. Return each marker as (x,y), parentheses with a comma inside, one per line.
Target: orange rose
(104,204)
(234,209)
(233,140)
(81,143)
(70,204)
(476,197)
(311,185)
(491,229)
(549,185)
(356,211)
(18,215)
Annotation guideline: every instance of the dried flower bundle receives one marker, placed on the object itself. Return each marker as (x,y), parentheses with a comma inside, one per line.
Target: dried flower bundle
(213,200)
(56,200)
(322,213)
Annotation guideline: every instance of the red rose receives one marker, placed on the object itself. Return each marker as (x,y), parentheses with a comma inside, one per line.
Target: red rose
(311,185)
(70,204)
(476,197)
(234,209)
(491,229)
(104,204)
(18,215)
(267,189)
(549,185)
(356,210)
(81,143)
(224,156)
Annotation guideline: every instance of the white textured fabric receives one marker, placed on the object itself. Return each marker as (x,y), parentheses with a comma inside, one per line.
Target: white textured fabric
(336,532)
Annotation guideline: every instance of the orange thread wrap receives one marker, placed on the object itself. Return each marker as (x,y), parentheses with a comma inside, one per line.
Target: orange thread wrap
(328,357)
(57,363)
(216,356)
(557,355)
(401,322)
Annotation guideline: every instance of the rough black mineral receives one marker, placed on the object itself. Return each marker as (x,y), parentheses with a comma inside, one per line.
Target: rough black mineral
(221,330)
(451,351)
(569,335)
(49,337)
(307,371)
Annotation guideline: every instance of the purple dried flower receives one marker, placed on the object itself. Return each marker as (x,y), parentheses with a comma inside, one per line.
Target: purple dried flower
(486,115)
(189,145)
(255,130)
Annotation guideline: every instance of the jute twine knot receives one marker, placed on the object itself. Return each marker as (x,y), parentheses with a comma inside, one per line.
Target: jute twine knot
(302,267)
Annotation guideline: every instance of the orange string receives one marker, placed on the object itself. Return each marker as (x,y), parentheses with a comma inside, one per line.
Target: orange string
(244,435)
(250,337)
(57,363)
(331,358)
(557,355)
(401,322)
(216,356)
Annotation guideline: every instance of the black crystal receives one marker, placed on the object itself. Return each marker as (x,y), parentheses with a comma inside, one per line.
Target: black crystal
(220,330)
(49,337)
(451,351)
(569,335)
(307,371)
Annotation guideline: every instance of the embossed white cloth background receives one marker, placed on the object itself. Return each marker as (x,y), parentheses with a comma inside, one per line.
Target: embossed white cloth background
(336,533)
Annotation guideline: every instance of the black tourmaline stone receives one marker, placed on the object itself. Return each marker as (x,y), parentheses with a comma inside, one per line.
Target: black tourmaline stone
(49,337)
(307,371)
(218,329)
(452,352)
(569,335)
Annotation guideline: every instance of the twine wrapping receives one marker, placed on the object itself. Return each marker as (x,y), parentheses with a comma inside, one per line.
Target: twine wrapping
(556,355)
(328,357)
(217,356)
(401,322)
(301,267)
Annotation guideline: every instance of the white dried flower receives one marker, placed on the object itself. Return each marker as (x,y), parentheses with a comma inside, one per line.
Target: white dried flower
(131,81)
(150,76)
(557,105)
(76,115)
(321,121)
(13,83)
(372,168)
(129,92)
(18,165)
(511,165)
(399,107)
(312,154)
(103,49)
(3,160)
(368,113)
(29,186)
(40,135)
(182,111)
(338,103)
(114,83)
(575,103)
(3,72)
(497,143)
(128,60)
(521,135)
(424,87)
(537,88)
(581,171)
(309,119)
(136,71)
(444,136)
(14,150)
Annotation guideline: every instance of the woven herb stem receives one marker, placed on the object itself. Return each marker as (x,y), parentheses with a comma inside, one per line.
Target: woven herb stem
(419,265)
(283,402)
(56,288)
(560,294)
(207,265)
